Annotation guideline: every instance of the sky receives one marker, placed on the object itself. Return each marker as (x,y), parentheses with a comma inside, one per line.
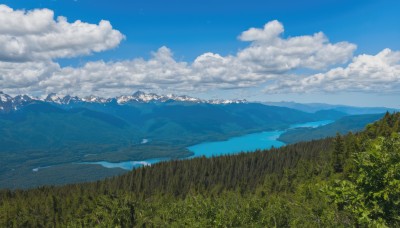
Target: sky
(333,51)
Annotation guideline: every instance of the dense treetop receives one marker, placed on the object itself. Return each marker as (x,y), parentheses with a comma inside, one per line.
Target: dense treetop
(350,180)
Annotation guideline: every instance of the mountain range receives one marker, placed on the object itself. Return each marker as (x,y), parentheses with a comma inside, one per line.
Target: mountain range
(314,107)
(9,103)
(62,131)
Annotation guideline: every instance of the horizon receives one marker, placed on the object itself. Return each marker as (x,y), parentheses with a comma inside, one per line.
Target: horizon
(44,96)
(321,53)
(213,113)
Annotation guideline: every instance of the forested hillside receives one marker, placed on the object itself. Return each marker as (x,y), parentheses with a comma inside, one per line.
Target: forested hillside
(343,125)
(60,136)
(350,180)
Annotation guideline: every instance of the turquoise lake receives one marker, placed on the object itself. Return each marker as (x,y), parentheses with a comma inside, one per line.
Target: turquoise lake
(250,142)
(244,143)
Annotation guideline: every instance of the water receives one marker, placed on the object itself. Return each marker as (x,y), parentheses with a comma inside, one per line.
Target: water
(244,143)
(250,142)
(127,165)
(312,124)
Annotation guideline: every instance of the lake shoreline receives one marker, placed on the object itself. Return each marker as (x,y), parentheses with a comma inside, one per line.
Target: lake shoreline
(235,145)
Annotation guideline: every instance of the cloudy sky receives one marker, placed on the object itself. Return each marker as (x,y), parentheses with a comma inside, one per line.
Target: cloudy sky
(334,51)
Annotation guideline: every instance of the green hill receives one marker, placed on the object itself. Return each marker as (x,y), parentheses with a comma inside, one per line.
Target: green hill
(344,181)
(61,136)
(343,126)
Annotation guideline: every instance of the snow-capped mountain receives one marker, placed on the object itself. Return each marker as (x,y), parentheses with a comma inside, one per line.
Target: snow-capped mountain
(8,103)
(4,97)
(142,97)
(5,102)
(94,99)
(54,98)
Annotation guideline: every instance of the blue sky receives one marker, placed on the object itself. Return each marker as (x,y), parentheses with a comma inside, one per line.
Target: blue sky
(191,28)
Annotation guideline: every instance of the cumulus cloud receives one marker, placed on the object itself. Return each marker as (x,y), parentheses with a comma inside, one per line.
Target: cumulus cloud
(269,52)
(29,49)
(378,73)
(160,71)
(36,36)
(25,75)
(269,56)
(271,31)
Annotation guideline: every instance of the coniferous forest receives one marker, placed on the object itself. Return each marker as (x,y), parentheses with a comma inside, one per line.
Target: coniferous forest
(349,180)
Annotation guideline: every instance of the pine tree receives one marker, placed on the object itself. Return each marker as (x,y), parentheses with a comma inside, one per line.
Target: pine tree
(396,126)
(338,154)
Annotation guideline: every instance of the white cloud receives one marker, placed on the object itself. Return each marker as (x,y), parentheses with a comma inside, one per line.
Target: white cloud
(269,52)
(28,50)
(269,56)
(25,75)
(378,73)
(19,22)
(161,71)
(36,36)
(270,33)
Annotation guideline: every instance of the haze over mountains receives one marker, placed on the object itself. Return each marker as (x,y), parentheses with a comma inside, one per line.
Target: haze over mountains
(314,107)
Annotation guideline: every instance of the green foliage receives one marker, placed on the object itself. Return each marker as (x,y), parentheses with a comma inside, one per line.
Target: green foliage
(46,209)
(264,188)
(293,186)
(372,194)
(338,154)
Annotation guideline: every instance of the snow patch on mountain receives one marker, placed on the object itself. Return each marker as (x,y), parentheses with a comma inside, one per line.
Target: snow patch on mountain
(8,103)
(94,99)
(4,97)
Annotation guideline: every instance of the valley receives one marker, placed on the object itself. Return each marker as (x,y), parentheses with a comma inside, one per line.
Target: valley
(240,144)
(66,135)
(304,184)
(199,113)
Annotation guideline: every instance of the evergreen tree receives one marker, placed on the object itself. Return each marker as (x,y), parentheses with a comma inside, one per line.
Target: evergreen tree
(338,154)
(270,188)
(372,195)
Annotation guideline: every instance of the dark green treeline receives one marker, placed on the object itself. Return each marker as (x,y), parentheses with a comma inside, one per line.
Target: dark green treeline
(322,183)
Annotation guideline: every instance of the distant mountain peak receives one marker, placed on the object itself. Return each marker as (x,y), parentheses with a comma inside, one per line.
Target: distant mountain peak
(94,99)
(53,97)
(4,97)
(143,97)
(138,93)
(8,103)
